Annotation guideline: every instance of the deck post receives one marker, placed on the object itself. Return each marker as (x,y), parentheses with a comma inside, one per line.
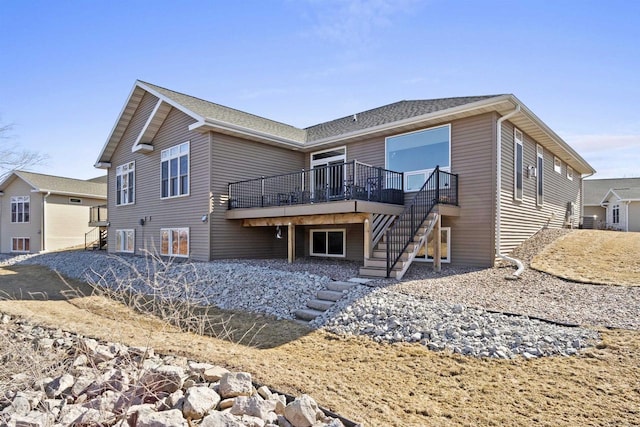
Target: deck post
(437,246)
(367,238)
(291,237)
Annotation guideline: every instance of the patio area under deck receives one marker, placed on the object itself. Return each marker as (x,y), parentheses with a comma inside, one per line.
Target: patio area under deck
(329,213)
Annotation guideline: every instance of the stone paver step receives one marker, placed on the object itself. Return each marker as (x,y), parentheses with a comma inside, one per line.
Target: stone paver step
(340,286)
(307,314)
(329,295)
(319,304)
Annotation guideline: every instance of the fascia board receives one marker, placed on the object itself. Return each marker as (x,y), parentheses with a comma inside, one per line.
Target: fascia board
(115,125)
(70,193)
(170,101)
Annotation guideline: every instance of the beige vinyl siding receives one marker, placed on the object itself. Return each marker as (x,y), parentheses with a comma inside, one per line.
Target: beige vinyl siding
(31,229)
(473,160)
(634,216)
(234,159)
(66,223)
(157,213)
(522,219)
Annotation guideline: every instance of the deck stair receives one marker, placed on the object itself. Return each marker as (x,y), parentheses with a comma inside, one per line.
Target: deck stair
(376,265)
(324,300)
(407,234)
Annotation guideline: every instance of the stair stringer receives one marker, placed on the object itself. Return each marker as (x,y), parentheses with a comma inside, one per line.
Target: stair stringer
(411,254)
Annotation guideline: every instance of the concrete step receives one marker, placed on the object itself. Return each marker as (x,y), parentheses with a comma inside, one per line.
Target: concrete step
(329,295)
(307,314)
(376,272)
(340,286)
(319,304)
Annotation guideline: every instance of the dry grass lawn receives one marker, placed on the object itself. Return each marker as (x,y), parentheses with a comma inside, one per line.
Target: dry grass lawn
(593,256)
(387,385)
(378,384)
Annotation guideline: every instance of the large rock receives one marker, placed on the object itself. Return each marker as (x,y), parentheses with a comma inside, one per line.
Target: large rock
(171,418)
(221,419)
(59,385)
(198,401)
(163,379)
(254,406)
(234,384)
(302,411)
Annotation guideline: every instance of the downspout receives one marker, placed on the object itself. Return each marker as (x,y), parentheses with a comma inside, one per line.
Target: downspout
(515,261)
(44,205)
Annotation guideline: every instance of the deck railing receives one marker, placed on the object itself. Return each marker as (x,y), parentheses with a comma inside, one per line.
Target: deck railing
(98,214)
(440,188)
(338,181)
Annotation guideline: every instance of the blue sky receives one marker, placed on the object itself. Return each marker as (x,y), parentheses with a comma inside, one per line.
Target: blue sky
(67,67)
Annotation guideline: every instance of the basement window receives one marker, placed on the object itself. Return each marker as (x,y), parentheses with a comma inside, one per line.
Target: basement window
(328,243)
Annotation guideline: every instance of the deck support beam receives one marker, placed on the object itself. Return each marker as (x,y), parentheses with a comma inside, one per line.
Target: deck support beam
(338,218)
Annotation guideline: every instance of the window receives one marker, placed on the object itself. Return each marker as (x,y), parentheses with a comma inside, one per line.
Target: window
(20,208)
(75,201)
(174,242)
(540,180)
(175,171)
(330,243)
(125,184)
(445,247)
(125,241)
(518,154)
(615,214)
(20,244)
(557,165)
(418,153)
(569,173)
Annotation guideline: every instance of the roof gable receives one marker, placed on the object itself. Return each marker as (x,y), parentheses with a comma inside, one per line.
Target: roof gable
(399,117)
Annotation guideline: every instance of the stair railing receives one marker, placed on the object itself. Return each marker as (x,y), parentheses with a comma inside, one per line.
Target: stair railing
(440,188)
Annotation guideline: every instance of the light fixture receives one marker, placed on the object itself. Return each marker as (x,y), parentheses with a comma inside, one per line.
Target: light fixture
(278,232)
(204,218)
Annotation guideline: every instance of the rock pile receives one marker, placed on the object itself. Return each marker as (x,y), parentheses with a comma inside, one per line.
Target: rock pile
(110,384)
(388,316)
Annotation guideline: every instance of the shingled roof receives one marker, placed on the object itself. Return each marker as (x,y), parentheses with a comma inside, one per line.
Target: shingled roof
(211,110)
(402,116)
(59,185)
(386,114)
(596,189)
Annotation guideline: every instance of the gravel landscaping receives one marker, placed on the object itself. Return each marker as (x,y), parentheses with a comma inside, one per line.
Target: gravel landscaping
(467,311)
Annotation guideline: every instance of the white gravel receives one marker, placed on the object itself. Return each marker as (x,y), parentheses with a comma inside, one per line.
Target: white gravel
(470,311)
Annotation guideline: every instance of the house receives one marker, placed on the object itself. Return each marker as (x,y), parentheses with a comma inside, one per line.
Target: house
(46,213)
(612,204)
(461,180)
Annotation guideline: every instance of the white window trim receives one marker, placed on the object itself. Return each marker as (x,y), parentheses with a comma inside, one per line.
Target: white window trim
(446,260)
(23,199)
(312,162)
(23,239)
(557,165)
(518,142)
(326,230)
(123,241)
(615,208)
(569,173)
(170,242)
(425,172)
(169,196)
(540,176)
(131,169)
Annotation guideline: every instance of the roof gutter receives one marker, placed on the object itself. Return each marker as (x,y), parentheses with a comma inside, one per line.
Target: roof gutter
(515,261)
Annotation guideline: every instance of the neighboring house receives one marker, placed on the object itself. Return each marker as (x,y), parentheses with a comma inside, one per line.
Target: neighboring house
(190,178)
(45,213)
(612,203)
